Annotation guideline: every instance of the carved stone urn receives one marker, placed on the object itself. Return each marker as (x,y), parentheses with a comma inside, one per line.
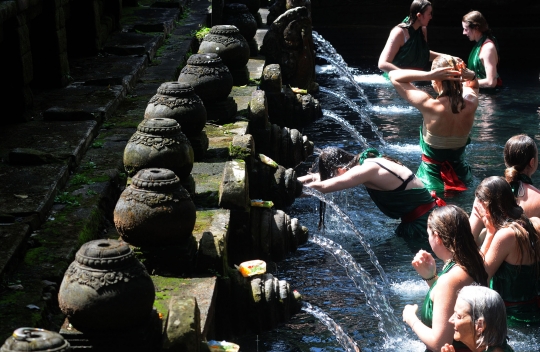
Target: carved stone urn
(238,15)
(106,287)
(154,210)
(228,43)
(33,339)
(178,101)
(252,5)
(159,142)
(209,77)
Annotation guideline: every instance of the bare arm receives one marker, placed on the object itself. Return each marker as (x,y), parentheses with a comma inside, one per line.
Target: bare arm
(476,222)
(357,175)
(444,299)
(394,42)
(496,248)
(402,81)
(489,57)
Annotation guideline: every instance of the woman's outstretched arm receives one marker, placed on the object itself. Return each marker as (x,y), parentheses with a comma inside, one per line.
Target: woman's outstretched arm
(357,175)
(394,42)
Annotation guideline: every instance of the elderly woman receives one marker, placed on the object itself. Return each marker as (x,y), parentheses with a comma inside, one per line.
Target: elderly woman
(451,240)
(479,321)
(447,120)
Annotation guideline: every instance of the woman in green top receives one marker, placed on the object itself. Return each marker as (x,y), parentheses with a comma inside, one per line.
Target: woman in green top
(392,186)
(407,45)
(511,249)
(451,240)
(521,160)
(484,56)
(480,321)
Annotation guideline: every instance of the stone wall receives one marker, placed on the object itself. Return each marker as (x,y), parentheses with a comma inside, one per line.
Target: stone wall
(36,38)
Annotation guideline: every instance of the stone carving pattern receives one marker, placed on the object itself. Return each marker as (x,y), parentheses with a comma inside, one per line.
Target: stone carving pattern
(226,41)
(205,71)
(98,279)
(157,142)
(173,103)
(153,199)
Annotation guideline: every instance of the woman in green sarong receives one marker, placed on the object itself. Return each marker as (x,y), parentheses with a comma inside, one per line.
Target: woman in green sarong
(396,191)
(480,321)
(521,160)
(511,249)
(484,56)
(407,45)
(447,120)
(451,240)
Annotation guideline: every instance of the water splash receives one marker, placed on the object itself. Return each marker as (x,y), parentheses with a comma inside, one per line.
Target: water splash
(346,125)
(351,104)
(348,221)
(375,298)
(344,340)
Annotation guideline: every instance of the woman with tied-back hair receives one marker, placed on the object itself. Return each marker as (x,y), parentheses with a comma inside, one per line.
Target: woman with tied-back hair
(407,45)
(511,249)
(391,185)
(479,320)
(447,120)
(451,240)
(484,56)
(521,160)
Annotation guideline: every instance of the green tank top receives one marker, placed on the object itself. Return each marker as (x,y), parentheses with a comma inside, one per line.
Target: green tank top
(414,54)
(426,316)
(519,287)
(474,63)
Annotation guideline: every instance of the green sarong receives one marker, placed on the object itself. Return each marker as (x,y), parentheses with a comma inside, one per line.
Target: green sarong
(397,204)
(519,287)
(430,173)
(414,54)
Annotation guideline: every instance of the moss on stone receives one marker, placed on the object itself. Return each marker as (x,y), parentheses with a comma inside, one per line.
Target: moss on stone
(237,152)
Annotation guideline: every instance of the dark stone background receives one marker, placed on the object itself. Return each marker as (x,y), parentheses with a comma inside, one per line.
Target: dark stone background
(359,28)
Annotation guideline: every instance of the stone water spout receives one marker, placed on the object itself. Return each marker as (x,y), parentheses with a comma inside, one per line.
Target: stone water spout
(280,6)
(289,43)
(286,107)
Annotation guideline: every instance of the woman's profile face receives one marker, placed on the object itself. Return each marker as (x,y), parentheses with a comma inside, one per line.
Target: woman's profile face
(469,32)
(425,17)
(462,320)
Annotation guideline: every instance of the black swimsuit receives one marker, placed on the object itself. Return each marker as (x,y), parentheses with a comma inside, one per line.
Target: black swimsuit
(405,182)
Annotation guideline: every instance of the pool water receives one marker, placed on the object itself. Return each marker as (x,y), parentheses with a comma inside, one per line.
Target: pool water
(323,283)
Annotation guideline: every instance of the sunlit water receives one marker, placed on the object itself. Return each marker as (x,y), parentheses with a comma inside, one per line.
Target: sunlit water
(316,273)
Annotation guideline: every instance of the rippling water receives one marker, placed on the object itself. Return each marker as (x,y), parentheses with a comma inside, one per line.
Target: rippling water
(317,275)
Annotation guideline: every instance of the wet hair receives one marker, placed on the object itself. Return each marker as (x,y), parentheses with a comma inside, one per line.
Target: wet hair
(486,304)
(417,6)
(451,224)
(496,195)
(475,20)
(330,160)
(451,89)
(518,152)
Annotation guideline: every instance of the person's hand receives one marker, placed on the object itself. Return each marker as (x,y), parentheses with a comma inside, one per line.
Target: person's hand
(409,312)
(424,264)
(445,74)
(460,64)
(447,348)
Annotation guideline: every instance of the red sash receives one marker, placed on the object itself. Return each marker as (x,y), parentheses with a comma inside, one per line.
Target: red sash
(423,208)
(448,175)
